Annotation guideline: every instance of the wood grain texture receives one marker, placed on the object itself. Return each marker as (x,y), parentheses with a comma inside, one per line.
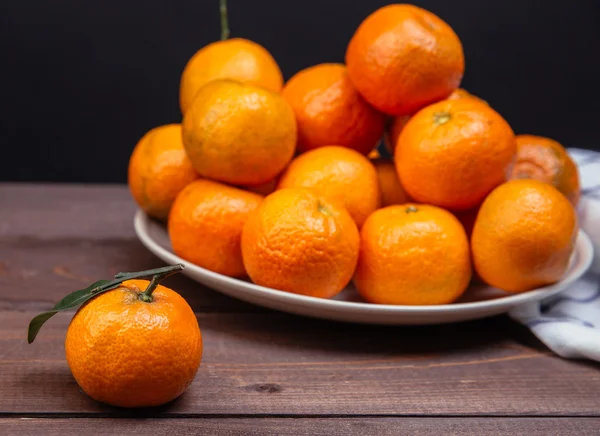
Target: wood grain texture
(305,426)
(55,239)
(263,372)
(54,211)
(35,274)
(278,364)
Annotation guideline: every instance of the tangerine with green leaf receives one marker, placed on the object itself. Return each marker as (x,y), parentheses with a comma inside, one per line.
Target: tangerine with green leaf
(132,343)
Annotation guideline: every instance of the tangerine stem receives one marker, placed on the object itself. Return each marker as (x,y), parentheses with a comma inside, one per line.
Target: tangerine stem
(146,296)
(224,20)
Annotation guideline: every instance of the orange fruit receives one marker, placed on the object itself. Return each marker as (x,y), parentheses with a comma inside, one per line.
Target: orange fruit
(461,93)
(402,58)
(237,59)
(239,134)
(131,353)
(264,189)
(159,169)
(454,152)
(392,134)
(392,191)
(523,236)
(300,242)
(374,154)
(206,222)
(467,218)
(396,127)
(330,111)
(339,173)
(398,123)
(412,254)
(546,160)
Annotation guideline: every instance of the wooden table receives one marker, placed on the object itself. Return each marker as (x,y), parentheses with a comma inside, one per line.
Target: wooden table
(263,372)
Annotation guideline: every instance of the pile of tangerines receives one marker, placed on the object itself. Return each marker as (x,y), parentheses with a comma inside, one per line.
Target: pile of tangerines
(284,184)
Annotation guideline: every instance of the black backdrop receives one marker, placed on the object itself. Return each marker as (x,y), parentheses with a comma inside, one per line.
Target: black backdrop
(83,80)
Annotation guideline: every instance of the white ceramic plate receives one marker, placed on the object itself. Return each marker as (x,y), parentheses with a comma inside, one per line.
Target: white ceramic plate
(478,302)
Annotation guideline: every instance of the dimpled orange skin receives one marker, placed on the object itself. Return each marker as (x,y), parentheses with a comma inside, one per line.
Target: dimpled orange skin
(129,353)
(299,242)
(239,134)
(206,222)
(412,254)
(523,236)
(329,110)
(159,169)
(546,160)
(339,173)
(392,191)
(397,124)
(402,58)
(454,152)
(237,59)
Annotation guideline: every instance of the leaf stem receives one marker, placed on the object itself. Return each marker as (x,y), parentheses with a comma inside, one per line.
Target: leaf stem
(171,269)
(77,298)
(224,20)
(146,296)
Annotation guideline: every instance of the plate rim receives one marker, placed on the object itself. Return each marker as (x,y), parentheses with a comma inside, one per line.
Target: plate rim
(142,221)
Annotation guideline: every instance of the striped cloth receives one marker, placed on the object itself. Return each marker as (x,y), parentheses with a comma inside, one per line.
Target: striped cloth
(569,323)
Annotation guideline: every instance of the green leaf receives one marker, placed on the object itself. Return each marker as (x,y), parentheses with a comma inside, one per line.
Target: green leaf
(165,270)
(71,301)
(36,324)
(77,298)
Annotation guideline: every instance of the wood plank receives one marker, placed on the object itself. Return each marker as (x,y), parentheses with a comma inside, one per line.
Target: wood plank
(57,238)
(45,211)
(278,364)
(305,426)
(35,274)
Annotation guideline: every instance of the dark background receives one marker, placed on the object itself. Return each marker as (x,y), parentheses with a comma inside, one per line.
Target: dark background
(83,80)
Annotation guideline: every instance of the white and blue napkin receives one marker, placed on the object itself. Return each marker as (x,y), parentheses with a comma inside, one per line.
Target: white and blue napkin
(569,323)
